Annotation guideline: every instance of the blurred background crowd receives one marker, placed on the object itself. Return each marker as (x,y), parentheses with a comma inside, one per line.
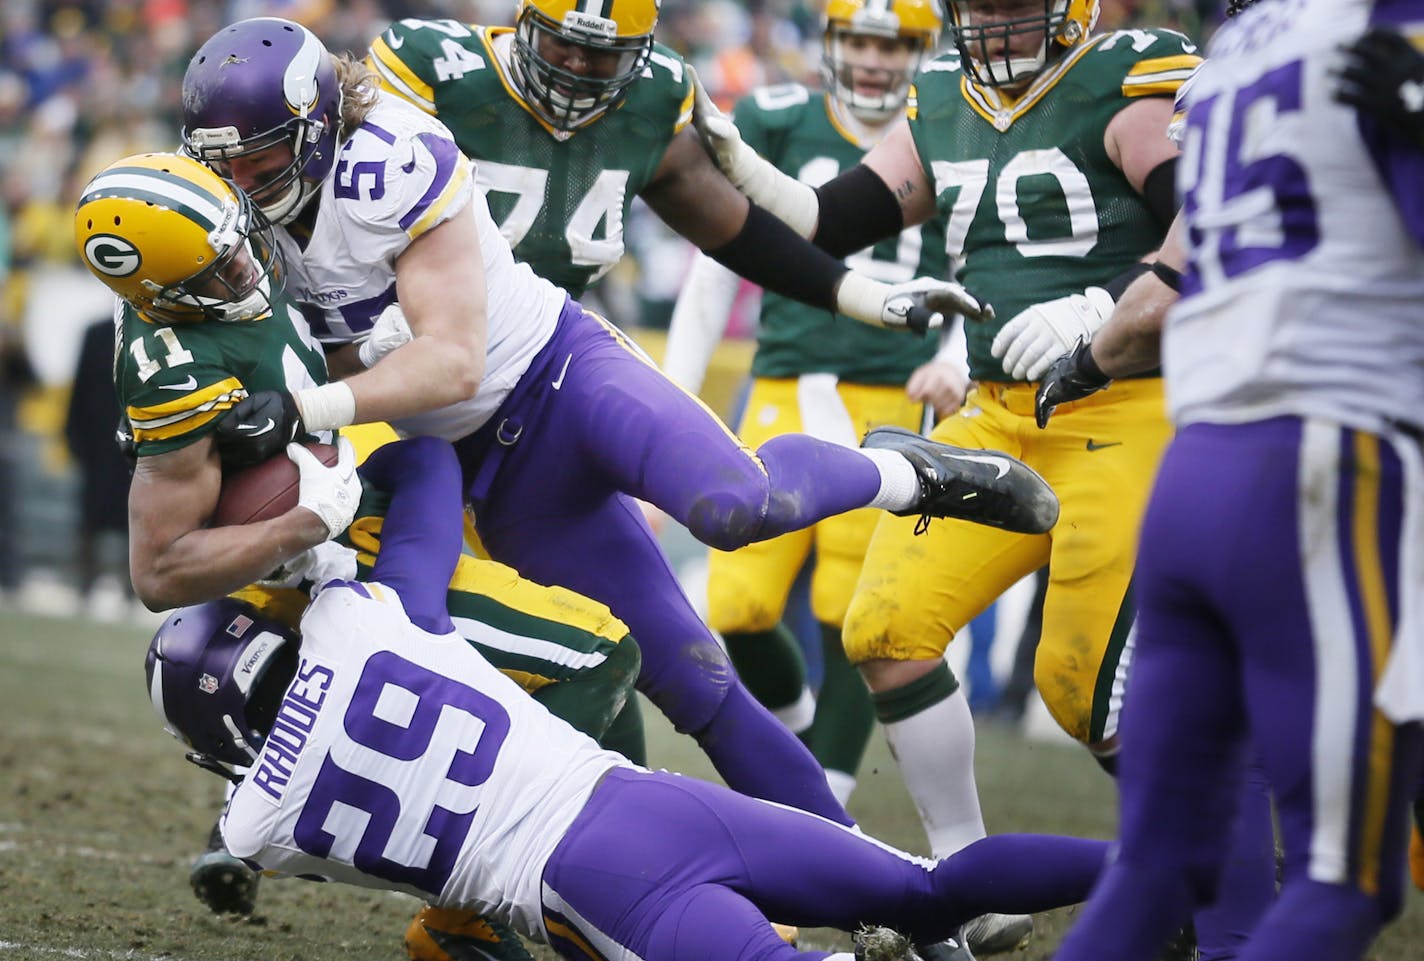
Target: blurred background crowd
(83,83)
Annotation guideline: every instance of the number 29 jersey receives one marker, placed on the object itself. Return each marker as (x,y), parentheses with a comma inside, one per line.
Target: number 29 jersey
(402,760)
(1305,289)
(1034,207)
(561,199)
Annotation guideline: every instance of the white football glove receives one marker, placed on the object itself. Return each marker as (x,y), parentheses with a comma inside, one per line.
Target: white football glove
(327,561)
(919,305)
(330,493)
(784,196)
(1031,341)
(389,332)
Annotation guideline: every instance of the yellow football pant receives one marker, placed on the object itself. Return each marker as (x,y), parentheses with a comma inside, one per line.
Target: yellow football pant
(747,589)
(1100,455)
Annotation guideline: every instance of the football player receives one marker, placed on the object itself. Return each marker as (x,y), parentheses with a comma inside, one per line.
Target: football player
(203,321)
(1039,145)
(1279,577)
(381,754)
(569,418)
(820,373)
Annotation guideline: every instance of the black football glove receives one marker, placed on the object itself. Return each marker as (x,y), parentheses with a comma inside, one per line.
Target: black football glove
(1072,377)
(259,427)
(1383,76)
(128,447)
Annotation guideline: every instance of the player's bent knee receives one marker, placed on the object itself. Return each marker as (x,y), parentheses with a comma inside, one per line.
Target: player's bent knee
(728,519)
(691,686)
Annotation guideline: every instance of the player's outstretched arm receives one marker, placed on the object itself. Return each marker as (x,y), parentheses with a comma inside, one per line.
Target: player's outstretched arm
(692,197)
(174,559)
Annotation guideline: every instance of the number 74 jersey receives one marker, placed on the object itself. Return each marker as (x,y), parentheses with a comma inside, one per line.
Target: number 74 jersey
(560,199)
(402,760)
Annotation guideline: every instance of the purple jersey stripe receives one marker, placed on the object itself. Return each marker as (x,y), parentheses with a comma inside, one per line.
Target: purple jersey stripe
(379,132)
(447,157)
(360,315)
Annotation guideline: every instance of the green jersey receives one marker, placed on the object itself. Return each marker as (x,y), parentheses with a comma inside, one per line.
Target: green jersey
(561,199)
(795,129)
(174,382)
(1034,208)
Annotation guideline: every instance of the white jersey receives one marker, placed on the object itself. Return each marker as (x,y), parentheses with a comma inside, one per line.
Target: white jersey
(402,760)
(1305,292)
(398,175)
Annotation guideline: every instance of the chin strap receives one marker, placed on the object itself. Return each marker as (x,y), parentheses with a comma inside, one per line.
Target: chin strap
(217,767)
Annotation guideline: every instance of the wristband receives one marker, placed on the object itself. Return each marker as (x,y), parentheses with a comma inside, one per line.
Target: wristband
(328,407)
(1170,276)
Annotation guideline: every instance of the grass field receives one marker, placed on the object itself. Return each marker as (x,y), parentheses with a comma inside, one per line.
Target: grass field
(100,814)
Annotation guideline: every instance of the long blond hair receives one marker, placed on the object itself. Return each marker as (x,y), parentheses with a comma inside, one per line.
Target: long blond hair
(359,92)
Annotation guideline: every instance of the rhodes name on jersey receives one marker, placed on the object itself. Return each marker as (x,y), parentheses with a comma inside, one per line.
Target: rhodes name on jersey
(561,199)
(399,758)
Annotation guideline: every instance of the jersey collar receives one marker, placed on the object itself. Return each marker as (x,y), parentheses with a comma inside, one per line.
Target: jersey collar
(1001,110)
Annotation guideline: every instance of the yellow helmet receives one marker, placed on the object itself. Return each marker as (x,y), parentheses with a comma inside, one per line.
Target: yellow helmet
(615,38)
(916,21)
(165,233)
(1062,25)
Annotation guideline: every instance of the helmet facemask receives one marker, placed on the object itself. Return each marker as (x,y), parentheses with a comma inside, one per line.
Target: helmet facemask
(839,74)
(286,193)
(258,85)
(217,673)
(563,98)
(1053,27)
(236,286)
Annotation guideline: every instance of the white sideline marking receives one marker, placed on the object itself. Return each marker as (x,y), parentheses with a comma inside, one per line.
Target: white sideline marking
(29,950)
(84,851)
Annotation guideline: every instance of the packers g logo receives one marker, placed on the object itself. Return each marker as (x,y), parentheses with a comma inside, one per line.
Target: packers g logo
(112,255)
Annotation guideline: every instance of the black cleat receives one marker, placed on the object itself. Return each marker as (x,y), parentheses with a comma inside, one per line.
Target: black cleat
(982,486)
(223,882)
(955,948)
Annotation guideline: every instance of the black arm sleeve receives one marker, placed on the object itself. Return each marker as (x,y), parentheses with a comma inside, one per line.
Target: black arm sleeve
(1160,191)
(771,254)
(857,209)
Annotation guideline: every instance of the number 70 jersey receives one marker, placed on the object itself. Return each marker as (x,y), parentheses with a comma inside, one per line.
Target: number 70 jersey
(1305,288)
(561,200)
(402,760)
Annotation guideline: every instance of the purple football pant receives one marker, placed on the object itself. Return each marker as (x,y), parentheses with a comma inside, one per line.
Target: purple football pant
(594,421)
(1268,578)
(667,868)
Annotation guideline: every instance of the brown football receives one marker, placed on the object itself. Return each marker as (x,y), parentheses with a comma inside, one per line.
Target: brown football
(264,490)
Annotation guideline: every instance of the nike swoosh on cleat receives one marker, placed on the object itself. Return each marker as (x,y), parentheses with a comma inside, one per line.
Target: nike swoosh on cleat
(1111,443)
(253,430)
(996,462)
(188,384)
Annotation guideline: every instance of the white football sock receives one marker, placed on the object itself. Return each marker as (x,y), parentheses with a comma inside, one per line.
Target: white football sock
(798,715)
(899,483)
(841,784)
(935,750)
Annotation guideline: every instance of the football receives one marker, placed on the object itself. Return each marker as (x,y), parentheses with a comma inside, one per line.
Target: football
(264,490)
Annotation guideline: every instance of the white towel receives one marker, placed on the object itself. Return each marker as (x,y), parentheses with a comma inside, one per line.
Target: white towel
(823,414)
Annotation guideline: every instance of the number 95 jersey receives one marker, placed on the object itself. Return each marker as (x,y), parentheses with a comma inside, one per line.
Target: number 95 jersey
(561,199)
(402,760)
(1305,289)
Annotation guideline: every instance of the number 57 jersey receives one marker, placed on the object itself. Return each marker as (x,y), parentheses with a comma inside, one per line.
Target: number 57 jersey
(1305,294)
(402,760)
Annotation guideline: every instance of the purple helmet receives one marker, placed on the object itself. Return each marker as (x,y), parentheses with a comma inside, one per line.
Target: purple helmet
(257,84)
(217,673)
